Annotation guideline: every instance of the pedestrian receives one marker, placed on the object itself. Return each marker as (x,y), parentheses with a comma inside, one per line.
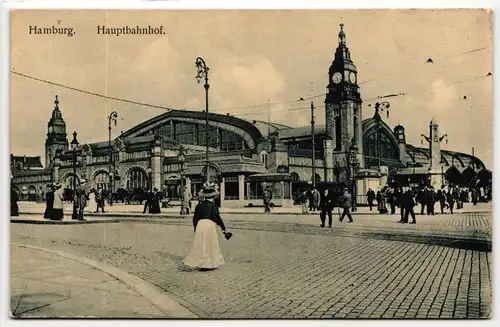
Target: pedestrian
(81,198)
(451,197)
(205,252)
(422,198)
(303,202)
(474,196)
(315,199)
(381,201)
(99,199)
(148,198)
(49,201)
(370,196)
(400,203)
(57,213)
(186,202)
(441,197)
(391,198)
(408,203)
(430,200)
(14,207)
(326,207)
(267,197)
(155,202)
(346,204)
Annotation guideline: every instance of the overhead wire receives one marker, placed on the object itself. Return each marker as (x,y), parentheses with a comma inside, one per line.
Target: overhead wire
(256,105)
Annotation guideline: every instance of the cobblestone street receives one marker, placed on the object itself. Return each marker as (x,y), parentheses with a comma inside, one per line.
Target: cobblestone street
(278,270)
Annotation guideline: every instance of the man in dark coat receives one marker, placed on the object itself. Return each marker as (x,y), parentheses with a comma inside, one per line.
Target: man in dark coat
(408,204)
(148,197)
(346,204)
(14,197)
(400,203)
(326,207)
(267,197)
(430,200)
(422,198)
(452,197)
(49,201)
(474,196)
(441,197)
(370,196)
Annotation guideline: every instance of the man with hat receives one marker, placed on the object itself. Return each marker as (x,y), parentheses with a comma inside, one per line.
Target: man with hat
(346,204)
(81,198)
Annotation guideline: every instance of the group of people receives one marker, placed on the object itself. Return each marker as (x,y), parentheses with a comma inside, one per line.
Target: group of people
(310,200)
(407,198)
(54,201)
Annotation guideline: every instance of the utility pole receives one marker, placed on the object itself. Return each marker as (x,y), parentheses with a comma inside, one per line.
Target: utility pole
(313,147)
(268,117)
(473,170)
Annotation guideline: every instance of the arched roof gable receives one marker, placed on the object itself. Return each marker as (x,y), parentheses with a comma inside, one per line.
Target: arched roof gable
(369,127)
(242,127)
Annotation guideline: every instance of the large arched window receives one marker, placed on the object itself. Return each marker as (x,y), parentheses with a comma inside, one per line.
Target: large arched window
(230,141)
(137,178)
(101,180)
(384,148)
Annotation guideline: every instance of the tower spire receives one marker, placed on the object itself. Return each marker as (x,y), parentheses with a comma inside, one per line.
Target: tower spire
(342,40)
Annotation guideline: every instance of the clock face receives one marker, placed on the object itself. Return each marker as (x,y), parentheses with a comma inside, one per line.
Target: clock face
(352,78)
(337,77)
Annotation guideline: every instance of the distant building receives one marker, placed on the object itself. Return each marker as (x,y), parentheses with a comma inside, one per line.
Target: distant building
(244,154)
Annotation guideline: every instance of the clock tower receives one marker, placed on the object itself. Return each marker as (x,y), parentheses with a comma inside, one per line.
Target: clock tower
(56,135)
(343,105)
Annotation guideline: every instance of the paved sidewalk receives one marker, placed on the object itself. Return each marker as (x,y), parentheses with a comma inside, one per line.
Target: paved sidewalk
(48,285)
(120,209)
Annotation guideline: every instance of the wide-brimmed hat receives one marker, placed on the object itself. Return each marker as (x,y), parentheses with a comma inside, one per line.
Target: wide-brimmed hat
(209,190)
(57,185)
(83,181)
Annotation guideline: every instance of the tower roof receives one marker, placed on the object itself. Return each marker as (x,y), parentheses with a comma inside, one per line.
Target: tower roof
(434,121)
(56,118)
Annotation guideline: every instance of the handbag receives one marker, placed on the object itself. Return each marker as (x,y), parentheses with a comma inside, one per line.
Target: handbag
(228,235)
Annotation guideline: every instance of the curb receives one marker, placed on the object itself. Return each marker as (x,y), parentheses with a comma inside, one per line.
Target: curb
(63,222)
(156,296)
(179,216)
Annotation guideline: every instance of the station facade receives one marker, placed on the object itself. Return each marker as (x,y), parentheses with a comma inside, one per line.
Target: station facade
(245,154)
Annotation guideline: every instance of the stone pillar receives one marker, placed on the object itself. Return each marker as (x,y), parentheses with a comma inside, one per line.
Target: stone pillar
(248,188)
(435,154)
(55,174)
(156,167)
(222,191)
(328,160)
(282,185)
(384,174)
(241,187)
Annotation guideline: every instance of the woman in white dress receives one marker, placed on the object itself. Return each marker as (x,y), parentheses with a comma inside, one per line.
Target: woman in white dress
(205,253)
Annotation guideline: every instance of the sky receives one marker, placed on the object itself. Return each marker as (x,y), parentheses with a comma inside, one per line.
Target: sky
(255,57)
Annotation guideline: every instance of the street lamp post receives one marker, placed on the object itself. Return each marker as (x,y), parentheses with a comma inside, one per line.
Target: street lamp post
(442,172)
(353,154)
(112,117)
(202,73)
(379,107)
(74,146)
(182,159)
